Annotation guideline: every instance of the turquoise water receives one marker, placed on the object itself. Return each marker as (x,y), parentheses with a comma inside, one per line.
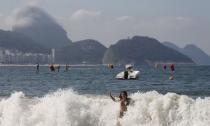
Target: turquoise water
(189,80)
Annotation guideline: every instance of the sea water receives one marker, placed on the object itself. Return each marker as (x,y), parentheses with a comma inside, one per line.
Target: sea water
(79,97)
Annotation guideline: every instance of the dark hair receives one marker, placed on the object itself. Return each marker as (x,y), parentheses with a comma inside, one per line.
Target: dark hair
(123,93)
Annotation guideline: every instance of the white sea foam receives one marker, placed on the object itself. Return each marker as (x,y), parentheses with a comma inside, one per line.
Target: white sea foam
(67,108)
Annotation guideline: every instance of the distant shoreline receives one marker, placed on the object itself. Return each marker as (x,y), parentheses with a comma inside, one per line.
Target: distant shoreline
(21,65)
(92,65)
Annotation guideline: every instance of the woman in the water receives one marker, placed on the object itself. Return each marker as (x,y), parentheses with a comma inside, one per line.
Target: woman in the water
(124,102)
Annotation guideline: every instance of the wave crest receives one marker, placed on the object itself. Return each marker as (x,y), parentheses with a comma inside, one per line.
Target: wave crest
(68,108)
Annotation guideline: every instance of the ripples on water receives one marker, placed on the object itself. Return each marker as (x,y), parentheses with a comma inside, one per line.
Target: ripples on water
(189,80)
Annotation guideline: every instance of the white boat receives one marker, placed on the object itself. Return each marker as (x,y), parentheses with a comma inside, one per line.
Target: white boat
(128,74)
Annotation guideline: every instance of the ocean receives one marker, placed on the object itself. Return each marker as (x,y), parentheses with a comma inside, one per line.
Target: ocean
(80,96)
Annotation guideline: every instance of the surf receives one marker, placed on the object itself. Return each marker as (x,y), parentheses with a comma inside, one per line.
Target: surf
(69,108)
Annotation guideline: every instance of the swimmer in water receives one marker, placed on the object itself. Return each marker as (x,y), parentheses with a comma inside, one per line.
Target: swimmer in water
(124,102)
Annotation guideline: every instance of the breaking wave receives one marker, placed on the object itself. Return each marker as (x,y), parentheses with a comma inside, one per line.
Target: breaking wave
(68,108)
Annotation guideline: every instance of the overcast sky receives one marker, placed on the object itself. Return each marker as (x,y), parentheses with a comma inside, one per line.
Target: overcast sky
(179,21)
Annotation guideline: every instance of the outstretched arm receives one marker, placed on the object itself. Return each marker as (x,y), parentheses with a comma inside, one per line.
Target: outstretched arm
(110,94)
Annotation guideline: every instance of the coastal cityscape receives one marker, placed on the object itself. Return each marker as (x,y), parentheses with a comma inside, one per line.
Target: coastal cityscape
(17,57)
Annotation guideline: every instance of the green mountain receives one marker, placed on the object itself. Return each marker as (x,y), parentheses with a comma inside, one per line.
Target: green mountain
(86,51)
(142,50)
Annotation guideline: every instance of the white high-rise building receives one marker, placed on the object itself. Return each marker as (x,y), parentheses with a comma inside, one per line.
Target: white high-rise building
(53,55)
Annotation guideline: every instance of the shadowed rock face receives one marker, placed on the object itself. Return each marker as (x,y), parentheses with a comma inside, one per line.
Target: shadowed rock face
(142,50)
(192,51)
(198,55)
(84,51)
(41,27)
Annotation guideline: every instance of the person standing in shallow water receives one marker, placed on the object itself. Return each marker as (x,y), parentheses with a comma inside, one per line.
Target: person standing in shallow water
(37,68)
(172,69)
(164,67)
(52,68)
(67,67)
(124,102)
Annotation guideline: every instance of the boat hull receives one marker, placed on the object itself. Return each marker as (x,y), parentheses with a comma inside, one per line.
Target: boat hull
(131,75)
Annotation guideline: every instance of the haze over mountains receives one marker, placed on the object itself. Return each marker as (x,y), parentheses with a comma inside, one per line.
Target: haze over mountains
(37,32)
(40,27)
(192,51)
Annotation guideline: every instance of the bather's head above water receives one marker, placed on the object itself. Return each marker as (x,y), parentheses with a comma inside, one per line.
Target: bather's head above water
(123,95)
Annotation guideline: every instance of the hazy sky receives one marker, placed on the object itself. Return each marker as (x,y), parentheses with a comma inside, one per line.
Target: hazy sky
(179,21)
